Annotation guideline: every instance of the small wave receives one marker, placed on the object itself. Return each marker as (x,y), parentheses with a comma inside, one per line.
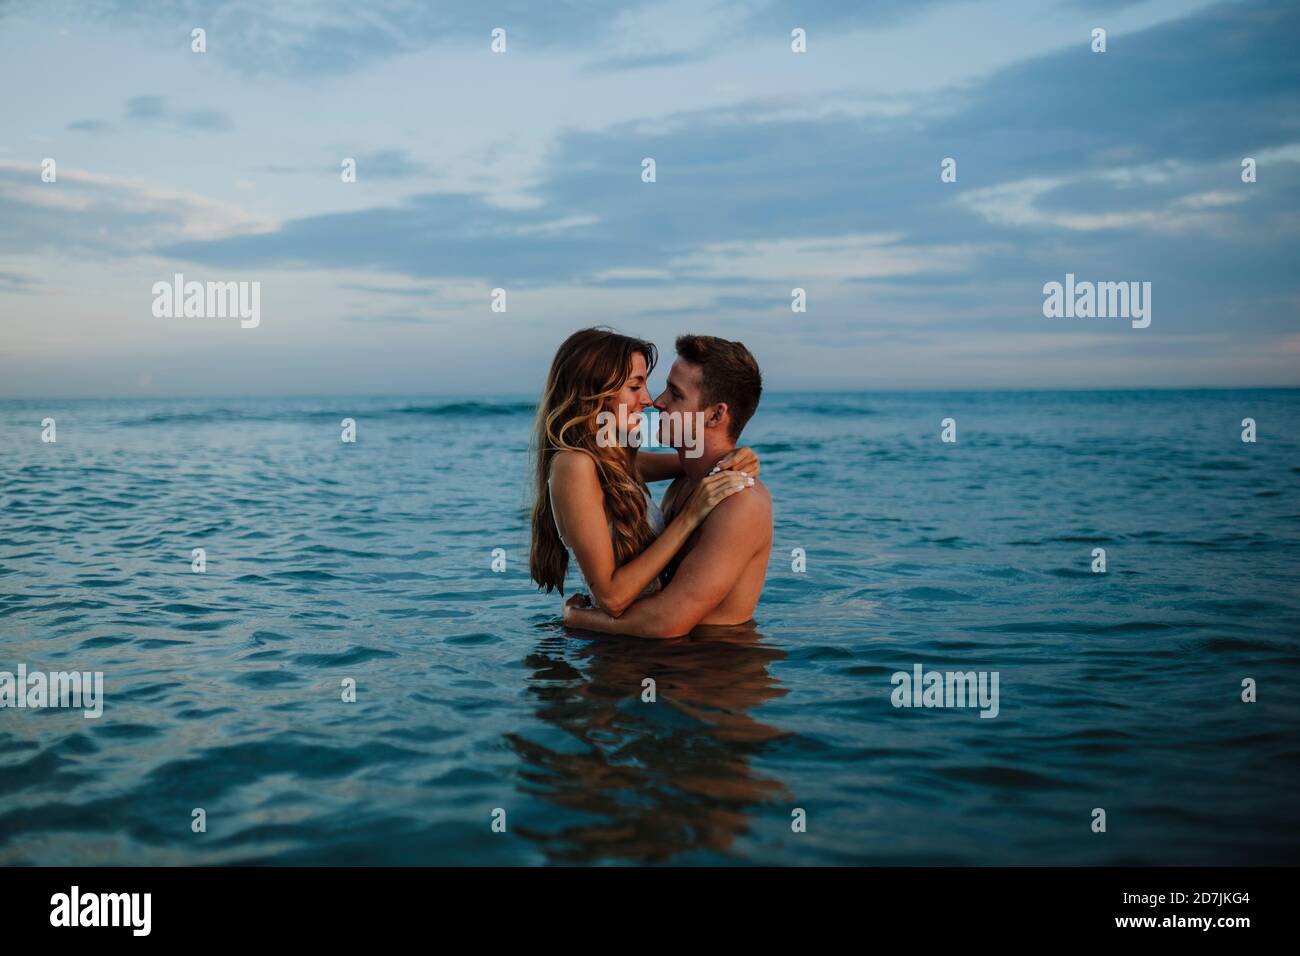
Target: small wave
(208,416)
(1001,776)
(1230,464)
(935,594)
(829,410)
(471,639)
(1227,644)
(465,409)
(213,416)
(265,680)
(820,652)
(348,658)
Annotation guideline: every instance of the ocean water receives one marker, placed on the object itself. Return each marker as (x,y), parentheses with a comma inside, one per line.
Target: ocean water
(372,562)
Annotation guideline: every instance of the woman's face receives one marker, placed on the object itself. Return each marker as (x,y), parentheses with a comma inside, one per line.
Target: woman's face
(634,395)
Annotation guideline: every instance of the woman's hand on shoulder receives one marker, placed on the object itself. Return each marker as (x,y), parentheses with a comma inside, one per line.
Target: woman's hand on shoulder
(742,460)
(714,488)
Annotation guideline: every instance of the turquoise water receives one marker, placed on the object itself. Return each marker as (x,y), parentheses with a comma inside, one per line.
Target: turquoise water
(372,561)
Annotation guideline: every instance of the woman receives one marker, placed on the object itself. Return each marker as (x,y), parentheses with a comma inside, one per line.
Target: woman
(591,495)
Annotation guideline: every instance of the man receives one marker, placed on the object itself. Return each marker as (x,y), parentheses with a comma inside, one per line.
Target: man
(718,575)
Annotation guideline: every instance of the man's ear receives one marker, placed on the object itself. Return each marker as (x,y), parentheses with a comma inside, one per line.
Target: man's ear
(718,415)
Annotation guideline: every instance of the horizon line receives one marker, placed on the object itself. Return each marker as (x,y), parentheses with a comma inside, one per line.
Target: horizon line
(476,396)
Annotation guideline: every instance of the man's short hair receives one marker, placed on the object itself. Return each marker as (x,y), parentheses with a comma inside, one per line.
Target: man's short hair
(729,374)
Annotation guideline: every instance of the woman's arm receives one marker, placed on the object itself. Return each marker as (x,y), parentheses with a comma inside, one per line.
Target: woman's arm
(579,503)
(660,466)
(655,466)
(709,573)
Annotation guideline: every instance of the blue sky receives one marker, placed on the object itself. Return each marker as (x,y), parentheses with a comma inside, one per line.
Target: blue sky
(522,171)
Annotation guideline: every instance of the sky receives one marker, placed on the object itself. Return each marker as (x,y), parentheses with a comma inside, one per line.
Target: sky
(522,170)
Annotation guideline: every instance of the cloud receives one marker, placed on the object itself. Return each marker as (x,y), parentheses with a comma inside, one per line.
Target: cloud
(208,120)
(108,215)
(649,61)
(808,260)
(16,282)
(335,37)
(89,126)
(1122,166)
(1045,149)
(339,36)
(1108,200)
(433,235)
(412,292)
(393,318)
(1104,6)
(383,164)
(153,109)
(813,15)
(144,107)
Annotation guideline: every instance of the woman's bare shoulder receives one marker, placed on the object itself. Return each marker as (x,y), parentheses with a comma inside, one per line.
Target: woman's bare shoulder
(568,466)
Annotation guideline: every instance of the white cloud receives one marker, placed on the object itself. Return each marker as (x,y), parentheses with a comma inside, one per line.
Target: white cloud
(866,256)
(171,213)
(1018,204)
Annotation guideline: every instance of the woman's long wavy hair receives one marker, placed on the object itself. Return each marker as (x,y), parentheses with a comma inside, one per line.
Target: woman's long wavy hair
(590,368)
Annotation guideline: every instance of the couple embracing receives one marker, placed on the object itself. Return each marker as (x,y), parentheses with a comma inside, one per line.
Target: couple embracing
(650,570)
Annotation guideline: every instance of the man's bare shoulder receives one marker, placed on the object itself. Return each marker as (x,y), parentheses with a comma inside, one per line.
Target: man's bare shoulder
(742,512)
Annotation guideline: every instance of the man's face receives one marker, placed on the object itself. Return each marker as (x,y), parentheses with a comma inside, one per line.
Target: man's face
(683,395)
